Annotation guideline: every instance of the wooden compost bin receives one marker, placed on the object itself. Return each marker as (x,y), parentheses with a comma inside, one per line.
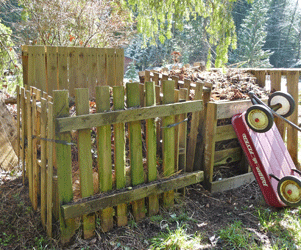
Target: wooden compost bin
(222,148)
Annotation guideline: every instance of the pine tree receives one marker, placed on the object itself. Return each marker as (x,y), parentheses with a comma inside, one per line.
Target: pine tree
(252,37)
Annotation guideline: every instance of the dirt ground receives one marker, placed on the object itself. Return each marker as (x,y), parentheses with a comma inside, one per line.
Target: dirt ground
(205,213)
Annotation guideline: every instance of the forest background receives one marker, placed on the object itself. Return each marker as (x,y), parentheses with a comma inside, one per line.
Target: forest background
(258,33)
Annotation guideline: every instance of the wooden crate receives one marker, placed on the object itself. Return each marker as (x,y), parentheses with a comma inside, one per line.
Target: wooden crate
(219,132)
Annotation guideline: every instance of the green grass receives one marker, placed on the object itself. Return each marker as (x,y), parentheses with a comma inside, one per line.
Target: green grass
(176,239)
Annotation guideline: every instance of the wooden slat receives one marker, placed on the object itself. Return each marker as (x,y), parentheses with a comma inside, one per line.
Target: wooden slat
(23,133)
(85,159)
(225,133)
(209,143)
(50,135)
(110,67)
(135,140)
(177,119)
(92,74)
(276,86)
(31,66)
(292,133)
(43,125)
(125,195)
(62,68)
(104,155)
(101,67)
(226,109)
(82,80)
(183,133)
(194,130)
(52,69)
(94,120)
(260,75)
(25,64)
(35,167)
(18,90)
(119,153)
(40,68)
(119,66)
(63,161)
(231,183)
(73,68)
(29,143)
(168,141)
(227,156)
(151,147)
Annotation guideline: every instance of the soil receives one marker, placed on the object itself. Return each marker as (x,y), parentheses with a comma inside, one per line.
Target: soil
(204,213)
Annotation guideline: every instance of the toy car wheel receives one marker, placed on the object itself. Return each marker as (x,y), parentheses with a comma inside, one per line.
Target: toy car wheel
(286,101)
(259,118)
(289,190)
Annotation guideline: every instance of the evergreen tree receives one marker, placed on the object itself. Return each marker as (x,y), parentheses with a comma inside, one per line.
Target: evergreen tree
(252,37)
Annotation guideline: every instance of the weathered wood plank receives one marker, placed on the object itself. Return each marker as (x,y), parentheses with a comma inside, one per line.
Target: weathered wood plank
(194,130)
(50,135)
(29,143)
(126,195)
(210,143)
(231,183)
(82,68)
(292,133)
(151,147)
(119,154)
(94,120)
(35,167)
(62,68)
(225,133)
(64,164)
(73,70)
(101,67)
(119,65)
(168,138)
(40,68)
(92,74)
(25,64)
(227,156)
(104,155)
(135,141)
(226,109)
(23,133)
(52,69)
(43,125)
(85,160)
(111,67)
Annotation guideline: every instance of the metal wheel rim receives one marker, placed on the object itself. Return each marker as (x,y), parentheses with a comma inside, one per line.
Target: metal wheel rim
(258,119)
(290,191)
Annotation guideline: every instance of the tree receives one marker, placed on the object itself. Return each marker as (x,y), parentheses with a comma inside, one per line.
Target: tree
(162,17)
(76,23)
(252,36)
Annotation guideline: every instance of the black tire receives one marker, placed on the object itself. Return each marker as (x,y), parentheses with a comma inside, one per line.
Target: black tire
(289,190)
(259,118)
(286,100)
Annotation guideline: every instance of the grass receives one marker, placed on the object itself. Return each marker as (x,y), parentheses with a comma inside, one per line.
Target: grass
(176,239)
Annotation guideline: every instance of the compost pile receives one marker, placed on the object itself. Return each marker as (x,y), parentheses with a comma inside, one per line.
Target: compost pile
(227,84)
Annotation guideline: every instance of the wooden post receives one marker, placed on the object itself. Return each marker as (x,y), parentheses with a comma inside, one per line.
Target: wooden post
(50,135)
(35,167)
(192,141)
(211,123)
(104,154)
(151,148)
(292,134)
(43,125)
(137,172)
(119,153)
(168,141)
(64,164)
(276,85)
(85,159)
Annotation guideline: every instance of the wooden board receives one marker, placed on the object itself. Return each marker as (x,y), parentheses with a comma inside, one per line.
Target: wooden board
(127,195)
(113,117)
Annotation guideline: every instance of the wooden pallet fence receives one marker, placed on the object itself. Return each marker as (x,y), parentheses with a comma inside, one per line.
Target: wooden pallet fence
(35,122)
(219,135)
(56,68)
(125,185)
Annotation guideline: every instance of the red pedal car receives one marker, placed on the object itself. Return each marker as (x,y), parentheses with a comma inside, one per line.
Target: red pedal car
(271,163)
